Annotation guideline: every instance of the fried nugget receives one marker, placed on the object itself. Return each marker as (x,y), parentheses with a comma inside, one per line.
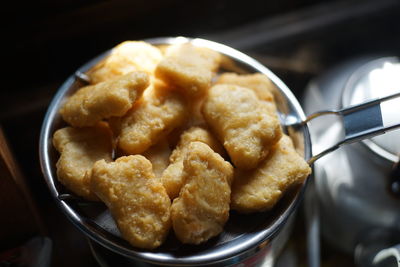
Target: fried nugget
(245,125)
(159,155)
(172,177)
(136,199)
(80,149)
(152,118)
(127,57)
(259,83)
(188,67)
(94,103)
(202,208)
(261,189)
(195,118)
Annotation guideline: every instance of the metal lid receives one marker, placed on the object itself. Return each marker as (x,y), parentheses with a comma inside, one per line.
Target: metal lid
(377,79)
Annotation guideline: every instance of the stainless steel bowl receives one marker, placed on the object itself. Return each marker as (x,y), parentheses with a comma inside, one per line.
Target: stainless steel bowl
(244,235)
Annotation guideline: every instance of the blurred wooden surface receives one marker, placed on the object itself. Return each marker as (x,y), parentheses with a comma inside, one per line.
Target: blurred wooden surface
(19,219)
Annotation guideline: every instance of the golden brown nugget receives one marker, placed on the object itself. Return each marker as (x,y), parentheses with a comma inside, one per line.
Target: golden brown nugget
(136,199)
(94,103)
(80,149)
(195,118)
(152,118)
(261,189)
(127,57)
(202,208)
(172,178)
(259,83)
(188,67)
(243,123)
(159,155)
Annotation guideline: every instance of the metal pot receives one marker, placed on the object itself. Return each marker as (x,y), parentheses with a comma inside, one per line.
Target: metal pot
(359,213)
(246,239)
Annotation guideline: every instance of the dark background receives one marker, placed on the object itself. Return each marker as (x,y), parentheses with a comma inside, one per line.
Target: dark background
(46,41)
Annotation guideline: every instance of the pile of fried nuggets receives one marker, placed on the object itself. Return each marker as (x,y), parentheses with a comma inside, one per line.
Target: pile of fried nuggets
(164,141)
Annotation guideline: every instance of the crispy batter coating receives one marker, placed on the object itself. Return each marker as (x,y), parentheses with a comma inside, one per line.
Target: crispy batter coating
(260,189)
(188,67)
(195,118)
(172,178)
(94,103)
(180,109)
(202,208)
(244,124)
(259,83)
(158,155)
(152,118)
(80,149)
(137,200)
(126,57)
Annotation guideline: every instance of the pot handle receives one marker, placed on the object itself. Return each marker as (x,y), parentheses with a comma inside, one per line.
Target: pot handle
(359,121)
(377,247)
(385,254)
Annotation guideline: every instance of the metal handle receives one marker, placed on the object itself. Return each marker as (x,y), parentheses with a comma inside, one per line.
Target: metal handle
(385,254)
(359,122)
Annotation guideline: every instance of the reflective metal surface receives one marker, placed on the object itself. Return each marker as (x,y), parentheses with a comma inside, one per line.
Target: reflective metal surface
(356,206)
(243,236)
(358,123)
(384,80)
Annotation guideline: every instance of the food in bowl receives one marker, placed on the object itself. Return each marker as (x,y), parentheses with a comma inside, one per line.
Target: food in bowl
(125,58)
(79,149)
(112,98)
(173,176)
(189,68)
(257,82)
(161,110)
(261,188)
(245,125)
(202,207)
(137,200)
(165,111)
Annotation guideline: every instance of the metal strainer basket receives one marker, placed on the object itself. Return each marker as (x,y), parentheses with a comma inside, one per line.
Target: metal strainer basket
(243,236)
